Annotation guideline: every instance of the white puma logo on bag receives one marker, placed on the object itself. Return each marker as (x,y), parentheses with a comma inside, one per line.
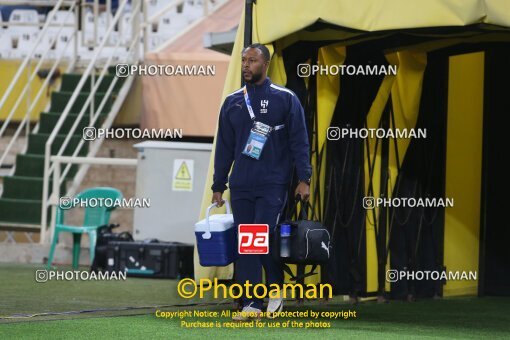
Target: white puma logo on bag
(323,245)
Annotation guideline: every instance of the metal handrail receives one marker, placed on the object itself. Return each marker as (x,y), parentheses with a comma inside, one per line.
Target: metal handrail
(97,113)
(95,160)
(138,29)
(99,109)
(24,64)
(26,119)
(48,169)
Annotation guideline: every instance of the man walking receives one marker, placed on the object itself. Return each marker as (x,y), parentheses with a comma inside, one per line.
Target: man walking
(262,130)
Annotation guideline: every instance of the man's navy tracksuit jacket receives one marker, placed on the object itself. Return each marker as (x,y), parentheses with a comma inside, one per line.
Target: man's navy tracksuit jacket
(258,188)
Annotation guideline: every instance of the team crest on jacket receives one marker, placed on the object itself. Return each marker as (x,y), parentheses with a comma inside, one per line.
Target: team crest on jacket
(264,103)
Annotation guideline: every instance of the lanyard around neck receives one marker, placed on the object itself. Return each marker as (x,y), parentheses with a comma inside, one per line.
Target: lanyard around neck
(248,104)
(250,109)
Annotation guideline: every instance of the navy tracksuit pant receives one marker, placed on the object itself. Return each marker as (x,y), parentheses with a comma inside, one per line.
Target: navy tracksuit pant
(261,206)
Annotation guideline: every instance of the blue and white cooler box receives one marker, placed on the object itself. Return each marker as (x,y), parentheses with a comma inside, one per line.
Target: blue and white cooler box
(216,238)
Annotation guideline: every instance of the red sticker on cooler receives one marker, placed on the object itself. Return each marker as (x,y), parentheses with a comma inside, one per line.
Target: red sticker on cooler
(253,239)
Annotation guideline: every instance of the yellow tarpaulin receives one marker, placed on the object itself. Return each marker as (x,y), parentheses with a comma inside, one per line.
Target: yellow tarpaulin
(278,24)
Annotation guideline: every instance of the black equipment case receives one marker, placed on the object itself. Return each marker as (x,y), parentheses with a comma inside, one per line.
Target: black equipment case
(171,260)
(105,235)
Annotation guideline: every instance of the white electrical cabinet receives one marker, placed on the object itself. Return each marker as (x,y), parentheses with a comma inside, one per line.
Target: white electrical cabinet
(172,176)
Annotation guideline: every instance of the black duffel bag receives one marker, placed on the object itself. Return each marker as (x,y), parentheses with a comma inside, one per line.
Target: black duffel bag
(310,243)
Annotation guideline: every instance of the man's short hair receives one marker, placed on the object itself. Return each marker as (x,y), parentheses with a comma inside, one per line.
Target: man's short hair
(262,48)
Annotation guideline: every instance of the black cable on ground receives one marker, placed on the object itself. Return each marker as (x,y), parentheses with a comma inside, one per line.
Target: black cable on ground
(118,309)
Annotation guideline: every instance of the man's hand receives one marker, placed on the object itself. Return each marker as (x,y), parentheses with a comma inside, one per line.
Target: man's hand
(303,190)
(216,198)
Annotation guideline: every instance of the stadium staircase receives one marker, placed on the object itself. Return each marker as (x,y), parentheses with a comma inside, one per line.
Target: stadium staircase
(89,94)
(20,202)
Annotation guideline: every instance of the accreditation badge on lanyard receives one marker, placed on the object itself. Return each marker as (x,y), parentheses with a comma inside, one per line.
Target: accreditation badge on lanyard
(259,133)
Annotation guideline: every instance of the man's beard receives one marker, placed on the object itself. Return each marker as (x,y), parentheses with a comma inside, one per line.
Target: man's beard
(254,78)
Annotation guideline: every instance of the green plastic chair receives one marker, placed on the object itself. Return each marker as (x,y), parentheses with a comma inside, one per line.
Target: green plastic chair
(93,219)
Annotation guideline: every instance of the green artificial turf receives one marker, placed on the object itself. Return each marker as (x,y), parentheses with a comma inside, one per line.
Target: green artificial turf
(453,318)
(20,293)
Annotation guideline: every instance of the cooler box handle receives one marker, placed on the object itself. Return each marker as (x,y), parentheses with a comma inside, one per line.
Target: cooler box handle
(207,235)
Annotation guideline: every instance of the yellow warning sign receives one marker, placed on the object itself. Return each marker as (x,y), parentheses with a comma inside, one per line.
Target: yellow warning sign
(183,172)
(183,175)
